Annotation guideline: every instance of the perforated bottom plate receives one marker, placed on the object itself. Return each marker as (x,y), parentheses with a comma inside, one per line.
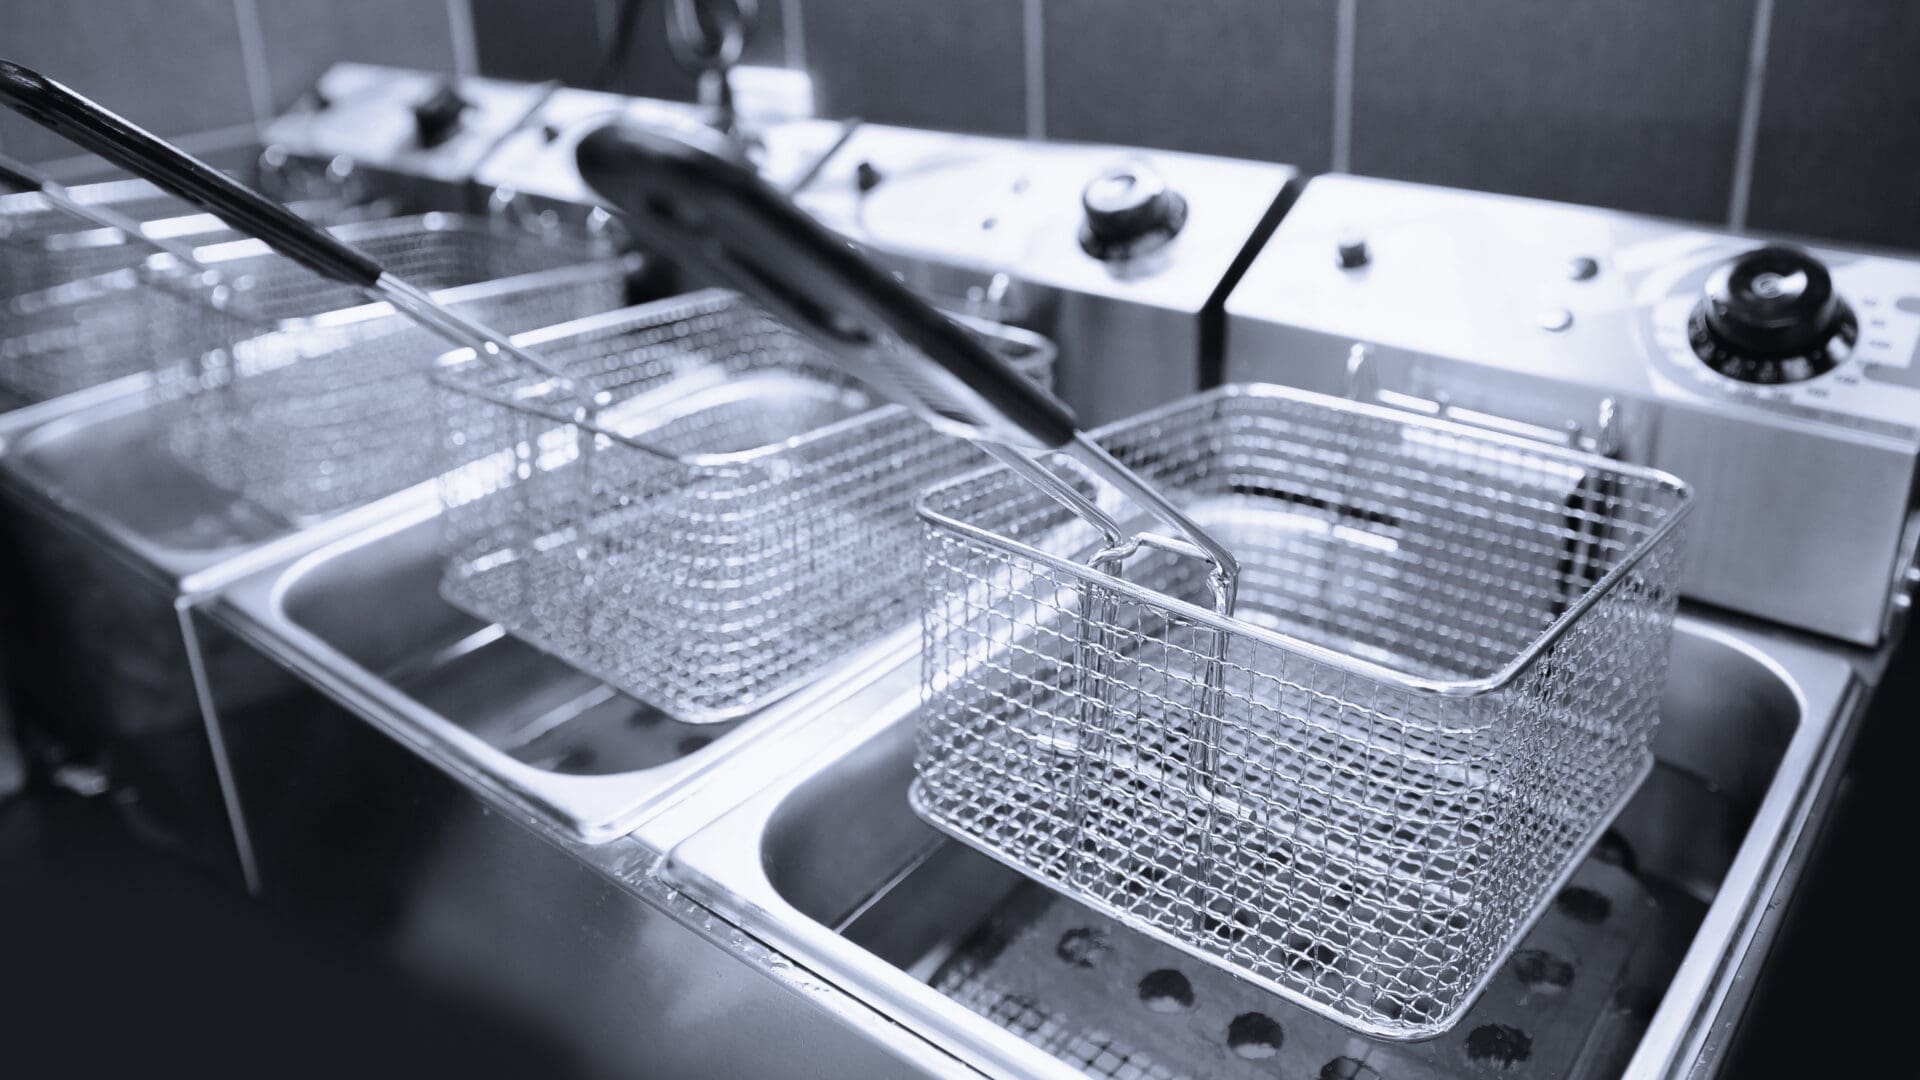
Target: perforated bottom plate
(1118,1004)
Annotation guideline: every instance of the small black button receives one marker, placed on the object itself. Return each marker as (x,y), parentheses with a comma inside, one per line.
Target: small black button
(866,176)
(1353,253)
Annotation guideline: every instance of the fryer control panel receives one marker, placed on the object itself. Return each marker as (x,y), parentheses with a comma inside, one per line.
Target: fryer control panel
(1780,379)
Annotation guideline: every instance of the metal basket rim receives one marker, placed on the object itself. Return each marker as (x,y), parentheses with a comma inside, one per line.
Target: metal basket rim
(448,363)
(88,236)
(140,276)
(458,294)
(1484,684)
(432,221)
(113,192)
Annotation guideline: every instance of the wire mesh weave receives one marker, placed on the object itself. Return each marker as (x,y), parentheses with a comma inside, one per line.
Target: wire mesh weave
(161,316)
(1440,681)
(28,219)
(80,250)
(736,516)
(336,411)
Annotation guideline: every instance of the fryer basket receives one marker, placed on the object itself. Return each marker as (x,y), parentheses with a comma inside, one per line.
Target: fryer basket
(1438,685)
(734,515)
(162,316)
(336,411)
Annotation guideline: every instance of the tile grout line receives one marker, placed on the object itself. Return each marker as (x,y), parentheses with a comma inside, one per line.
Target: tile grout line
(466,46)
(1033,18)
(253,58)
(793,27)
(1744,151)
(1345,18)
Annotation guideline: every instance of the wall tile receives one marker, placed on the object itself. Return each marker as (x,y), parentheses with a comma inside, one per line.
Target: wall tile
(1246,78)
(1626,103)
(952,64)
(768,45)
(534,42)
(304,38)
(649,69)
(173,67)
(1839,147)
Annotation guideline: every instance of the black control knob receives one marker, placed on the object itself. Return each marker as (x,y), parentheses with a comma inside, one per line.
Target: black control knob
(1771,316)
(436,118)
(1129,211)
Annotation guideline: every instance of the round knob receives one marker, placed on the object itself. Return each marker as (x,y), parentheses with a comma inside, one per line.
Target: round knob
(438,117)
(1129,211)
(1771,316)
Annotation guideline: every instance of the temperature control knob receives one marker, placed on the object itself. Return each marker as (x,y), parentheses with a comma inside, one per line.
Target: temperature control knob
(1130,211)
(1771,316)
(438,117)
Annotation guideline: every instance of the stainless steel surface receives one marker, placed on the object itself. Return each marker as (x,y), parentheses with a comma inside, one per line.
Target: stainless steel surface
(361,126)
(110,541)
(831,867)
(570,750)
(534,164)
(734,516)
(992,227)
(361,830)
(1118,1004)
(115,539)
(1806,490)
(1439,685)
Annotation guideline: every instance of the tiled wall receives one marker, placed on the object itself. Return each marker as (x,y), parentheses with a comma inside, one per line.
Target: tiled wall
(208,72)
(1797,116)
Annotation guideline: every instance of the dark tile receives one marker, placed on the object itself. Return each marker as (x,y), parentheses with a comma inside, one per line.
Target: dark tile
(768,45)
(534,42)
(1839,147)
(303,38)
(1626,103)
(955,64)
(174,68)
(1247,78)
(646,68)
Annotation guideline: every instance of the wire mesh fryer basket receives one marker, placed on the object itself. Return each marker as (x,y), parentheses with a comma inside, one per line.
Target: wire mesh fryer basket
(1439,683)
(82,250)
(162,316)
(737,515)
(334,412)
(27,218)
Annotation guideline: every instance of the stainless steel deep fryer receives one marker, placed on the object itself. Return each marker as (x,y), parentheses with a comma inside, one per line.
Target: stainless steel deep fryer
(688,500)
(1327,695)
(1438,683)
